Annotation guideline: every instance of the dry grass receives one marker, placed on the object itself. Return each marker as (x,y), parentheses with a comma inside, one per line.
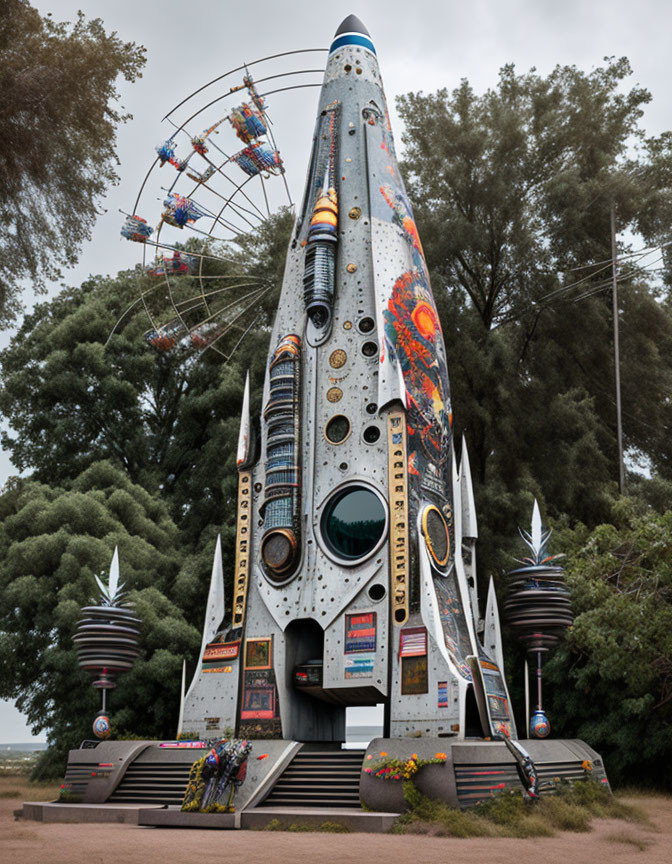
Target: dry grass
(511,815)
(21,788)
(639,843)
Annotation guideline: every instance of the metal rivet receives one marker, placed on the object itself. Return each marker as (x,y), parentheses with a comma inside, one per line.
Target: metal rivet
(355,213)
(347,325)
(334,394)
(351,268)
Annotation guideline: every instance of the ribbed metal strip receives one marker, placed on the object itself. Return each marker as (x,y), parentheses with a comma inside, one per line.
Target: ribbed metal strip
(476,782)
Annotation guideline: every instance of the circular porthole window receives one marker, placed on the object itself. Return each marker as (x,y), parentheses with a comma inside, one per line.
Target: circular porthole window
(353,523)
(370,349)
(366,325)
(337,429)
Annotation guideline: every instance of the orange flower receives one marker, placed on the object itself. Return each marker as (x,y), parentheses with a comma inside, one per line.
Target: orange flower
(414,756)
(441,756)
(587,765)
(383,753)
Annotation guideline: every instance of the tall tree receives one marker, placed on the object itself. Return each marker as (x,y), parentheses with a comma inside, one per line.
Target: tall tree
(59,113)
(168,420)
(512,192)
(52,543)
(610,682)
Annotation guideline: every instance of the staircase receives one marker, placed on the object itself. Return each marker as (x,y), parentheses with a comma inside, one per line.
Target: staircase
(319,778)
(152,783)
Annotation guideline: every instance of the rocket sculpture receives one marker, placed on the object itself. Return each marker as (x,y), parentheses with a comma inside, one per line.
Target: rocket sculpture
(355,577)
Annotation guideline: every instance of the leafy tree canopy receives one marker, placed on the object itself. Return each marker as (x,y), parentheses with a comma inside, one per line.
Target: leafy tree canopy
(58,118)
(610,683)
(52,542)
(512,191)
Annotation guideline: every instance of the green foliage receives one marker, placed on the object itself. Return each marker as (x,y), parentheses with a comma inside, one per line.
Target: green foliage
(511,191)
(52,542)
(57,139)
(510,814)
(610,682)
(299,827)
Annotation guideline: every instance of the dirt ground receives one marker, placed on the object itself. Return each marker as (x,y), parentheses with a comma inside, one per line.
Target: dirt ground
(613,841)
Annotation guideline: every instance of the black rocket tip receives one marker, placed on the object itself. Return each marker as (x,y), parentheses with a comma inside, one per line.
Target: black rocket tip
(352,24)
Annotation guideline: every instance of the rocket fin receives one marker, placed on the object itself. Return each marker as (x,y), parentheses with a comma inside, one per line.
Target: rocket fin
(214,613)
(469,522)
(492,637)
(244,451)
(469,531)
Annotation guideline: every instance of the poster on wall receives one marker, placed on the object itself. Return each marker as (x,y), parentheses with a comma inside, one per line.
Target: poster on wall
(258,654)
(413,653)
(360,633)
(359,665)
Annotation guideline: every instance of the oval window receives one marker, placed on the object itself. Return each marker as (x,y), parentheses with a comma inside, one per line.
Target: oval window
(353,522)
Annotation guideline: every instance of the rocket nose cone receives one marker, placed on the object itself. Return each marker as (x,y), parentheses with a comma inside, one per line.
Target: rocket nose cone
(351,24)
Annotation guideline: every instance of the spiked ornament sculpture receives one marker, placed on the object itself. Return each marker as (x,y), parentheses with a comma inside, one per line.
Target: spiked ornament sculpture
(107,640)
(538,607)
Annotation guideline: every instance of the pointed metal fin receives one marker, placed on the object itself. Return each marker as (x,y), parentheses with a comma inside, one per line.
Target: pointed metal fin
(469,522)
(492,636)
(214,613)
(113,583)
(243,453)
(536,536)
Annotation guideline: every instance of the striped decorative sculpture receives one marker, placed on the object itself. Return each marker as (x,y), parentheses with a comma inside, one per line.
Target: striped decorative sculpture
(538,607)
(107,640)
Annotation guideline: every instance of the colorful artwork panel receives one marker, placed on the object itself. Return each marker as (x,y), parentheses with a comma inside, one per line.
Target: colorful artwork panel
(414,676)
(453,621)
(443,694)
(413,642)
(360,633)
(359,665)
(258,653)
(221,651)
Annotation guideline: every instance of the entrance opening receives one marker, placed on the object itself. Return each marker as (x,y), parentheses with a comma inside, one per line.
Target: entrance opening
(472,718)
(362,724)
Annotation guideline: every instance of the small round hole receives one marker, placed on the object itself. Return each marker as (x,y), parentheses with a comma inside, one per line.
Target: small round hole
(371,434)
(377,592)
(371,408)
(366,325)
(343,466)
(347,67)
(370,349)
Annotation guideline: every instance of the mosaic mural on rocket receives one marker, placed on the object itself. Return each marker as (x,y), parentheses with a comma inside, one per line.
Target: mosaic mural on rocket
(414,339)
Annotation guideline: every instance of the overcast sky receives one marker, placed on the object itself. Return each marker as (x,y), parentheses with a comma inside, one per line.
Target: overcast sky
(421,45)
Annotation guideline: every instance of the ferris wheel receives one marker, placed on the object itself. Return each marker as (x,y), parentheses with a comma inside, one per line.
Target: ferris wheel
(217,180)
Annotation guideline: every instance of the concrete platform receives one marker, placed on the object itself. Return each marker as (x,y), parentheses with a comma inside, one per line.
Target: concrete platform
(55,812)
(173,817)
(355,819)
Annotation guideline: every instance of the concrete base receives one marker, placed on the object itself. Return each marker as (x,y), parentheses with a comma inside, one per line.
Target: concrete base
(173,817)
(313,817)
(55,812)
(160,816)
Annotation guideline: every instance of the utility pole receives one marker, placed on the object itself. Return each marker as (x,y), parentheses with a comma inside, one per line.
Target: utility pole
(617,357)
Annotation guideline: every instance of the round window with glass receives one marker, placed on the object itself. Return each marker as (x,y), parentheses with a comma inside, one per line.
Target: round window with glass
(353,523)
